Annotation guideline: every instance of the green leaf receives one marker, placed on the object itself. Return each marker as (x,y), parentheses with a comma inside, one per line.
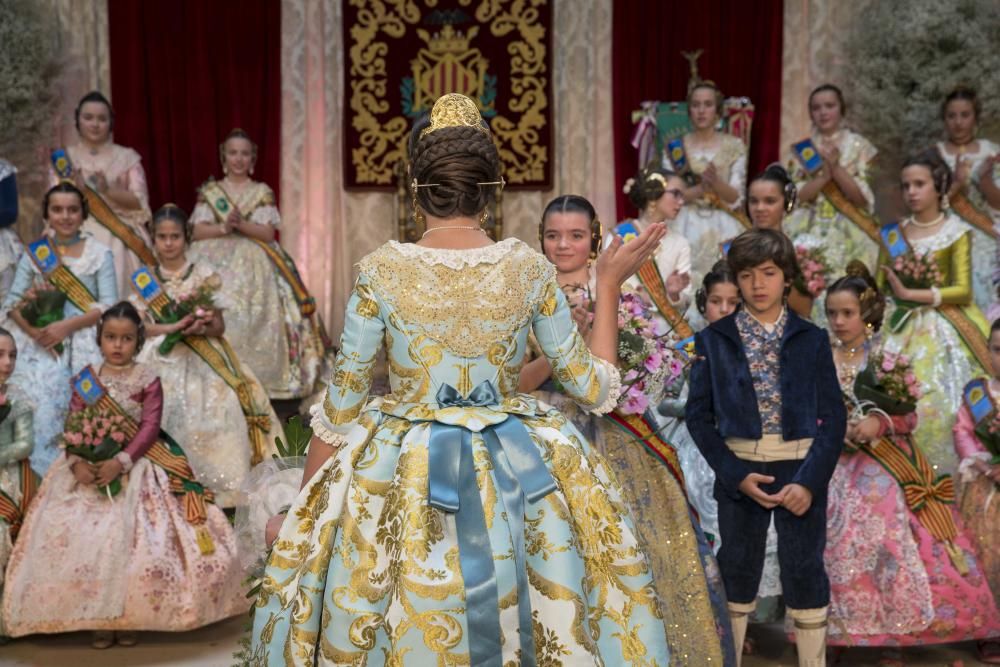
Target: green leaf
(297,436)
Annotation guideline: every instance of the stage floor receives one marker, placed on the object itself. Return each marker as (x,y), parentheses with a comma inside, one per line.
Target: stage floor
(213,647)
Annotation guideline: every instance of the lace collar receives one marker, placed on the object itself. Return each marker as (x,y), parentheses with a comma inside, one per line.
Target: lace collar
(950,231)
(89,261)
(458,259)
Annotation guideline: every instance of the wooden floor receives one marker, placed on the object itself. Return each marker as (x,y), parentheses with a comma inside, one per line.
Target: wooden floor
(213,647)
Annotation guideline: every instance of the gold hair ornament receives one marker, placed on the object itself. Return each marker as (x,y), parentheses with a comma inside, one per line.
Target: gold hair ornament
(455,110)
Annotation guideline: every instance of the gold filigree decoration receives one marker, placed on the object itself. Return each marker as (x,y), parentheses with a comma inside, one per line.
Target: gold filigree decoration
(382,139)
(464,310)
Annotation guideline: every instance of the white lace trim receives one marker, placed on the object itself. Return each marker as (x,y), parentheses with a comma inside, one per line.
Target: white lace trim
(89,261)
(320,429)
(266,215)
(458,259)
(614,387)
(950,231)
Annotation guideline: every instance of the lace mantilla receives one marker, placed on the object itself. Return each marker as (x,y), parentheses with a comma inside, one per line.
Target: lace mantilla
(457,259)
(950,231)
(465,300)
(123,387)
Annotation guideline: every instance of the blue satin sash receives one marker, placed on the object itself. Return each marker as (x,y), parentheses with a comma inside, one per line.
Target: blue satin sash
(520,475)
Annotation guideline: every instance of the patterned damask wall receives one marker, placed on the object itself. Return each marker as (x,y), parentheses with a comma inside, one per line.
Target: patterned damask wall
(328,229)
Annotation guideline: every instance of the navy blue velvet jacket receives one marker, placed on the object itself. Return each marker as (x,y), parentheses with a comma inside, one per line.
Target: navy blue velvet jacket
(722,402)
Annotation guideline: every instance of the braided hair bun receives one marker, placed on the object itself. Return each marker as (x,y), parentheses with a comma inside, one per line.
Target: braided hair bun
(449,164)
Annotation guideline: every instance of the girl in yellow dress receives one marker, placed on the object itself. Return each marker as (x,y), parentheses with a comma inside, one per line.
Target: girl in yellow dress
(939,328)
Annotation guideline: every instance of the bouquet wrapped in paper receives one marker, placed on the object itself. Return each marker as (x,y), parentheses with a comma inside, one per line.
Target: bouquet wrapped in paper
(814,270)
(917,271)
(889,383)
(199,302)
(41,307)
(95,436)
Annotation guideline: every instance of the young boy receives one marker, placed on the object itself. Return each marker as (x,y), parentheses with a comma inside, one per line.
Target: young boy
(765,409)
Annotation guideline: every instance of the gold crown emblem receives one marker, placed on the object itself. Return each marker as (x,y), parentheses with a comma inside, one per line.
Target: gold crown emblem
(449,40)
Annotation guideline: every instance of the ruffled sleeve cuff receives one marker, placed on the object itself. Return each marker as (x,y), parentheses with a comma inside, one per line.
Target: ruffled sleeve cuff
(608,373)
(967,470)
(323,430)
(125,460)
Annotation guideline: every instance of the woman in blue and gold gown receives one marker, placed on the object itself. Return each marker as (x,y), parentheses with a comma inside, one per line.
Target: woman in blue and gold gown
(455,521)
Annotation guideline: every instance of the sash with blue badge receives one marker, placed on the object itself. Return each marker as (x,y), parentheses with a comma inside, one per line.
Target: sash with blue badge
(808,156)
(43,255)
(221,359)
(977,398)
(895,244)
(165,453)
(102,212)
(650,278)
(222,206)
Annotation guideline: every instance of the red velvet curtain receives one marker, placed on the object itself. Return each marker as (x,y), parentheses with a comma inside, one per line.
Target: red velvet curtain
(742,54)
(186,72)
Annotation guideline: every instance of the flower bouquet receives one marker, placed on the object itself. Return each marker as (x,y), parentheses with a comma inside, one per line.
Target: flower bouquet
(199,302)
(888,382)
(813,271)
(42,307)
(916,271)
(649,362)
(95,436)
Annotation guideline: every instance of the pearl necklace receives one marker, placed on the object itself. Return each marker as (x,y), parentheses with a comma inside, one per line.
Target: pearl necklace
(924,225)
(435,229)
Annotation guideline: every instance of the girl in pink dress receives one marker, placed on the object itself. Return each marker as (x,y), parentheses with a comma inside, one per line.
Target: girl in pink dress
(979,474)
(892,582)
(156,556)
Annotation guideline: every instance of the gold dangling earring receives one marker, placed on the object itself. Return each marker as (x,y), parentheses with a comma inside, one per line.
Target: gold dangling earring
(869,331)
(483,218)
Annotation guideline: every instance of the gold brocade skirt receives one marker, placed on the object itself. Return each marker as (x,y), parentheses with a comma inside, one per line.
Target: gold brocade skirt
(666,534)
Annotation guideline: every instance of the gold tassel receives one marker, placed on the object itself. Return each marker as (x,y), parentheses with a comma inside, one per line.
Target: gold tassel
(205,543)
(957,558)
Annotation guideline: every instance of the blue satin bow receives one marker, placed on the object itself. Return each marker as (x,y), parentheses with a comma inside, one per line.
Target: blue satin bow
(520,474)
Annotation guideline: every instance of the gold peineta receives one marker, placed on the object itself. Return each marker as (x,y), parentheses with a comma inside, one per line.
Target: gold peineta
(455,110)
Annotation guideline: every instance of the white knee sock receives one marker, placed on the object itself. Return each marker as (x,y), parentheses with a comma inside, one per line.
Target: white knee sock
(739,616)
(810,636)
